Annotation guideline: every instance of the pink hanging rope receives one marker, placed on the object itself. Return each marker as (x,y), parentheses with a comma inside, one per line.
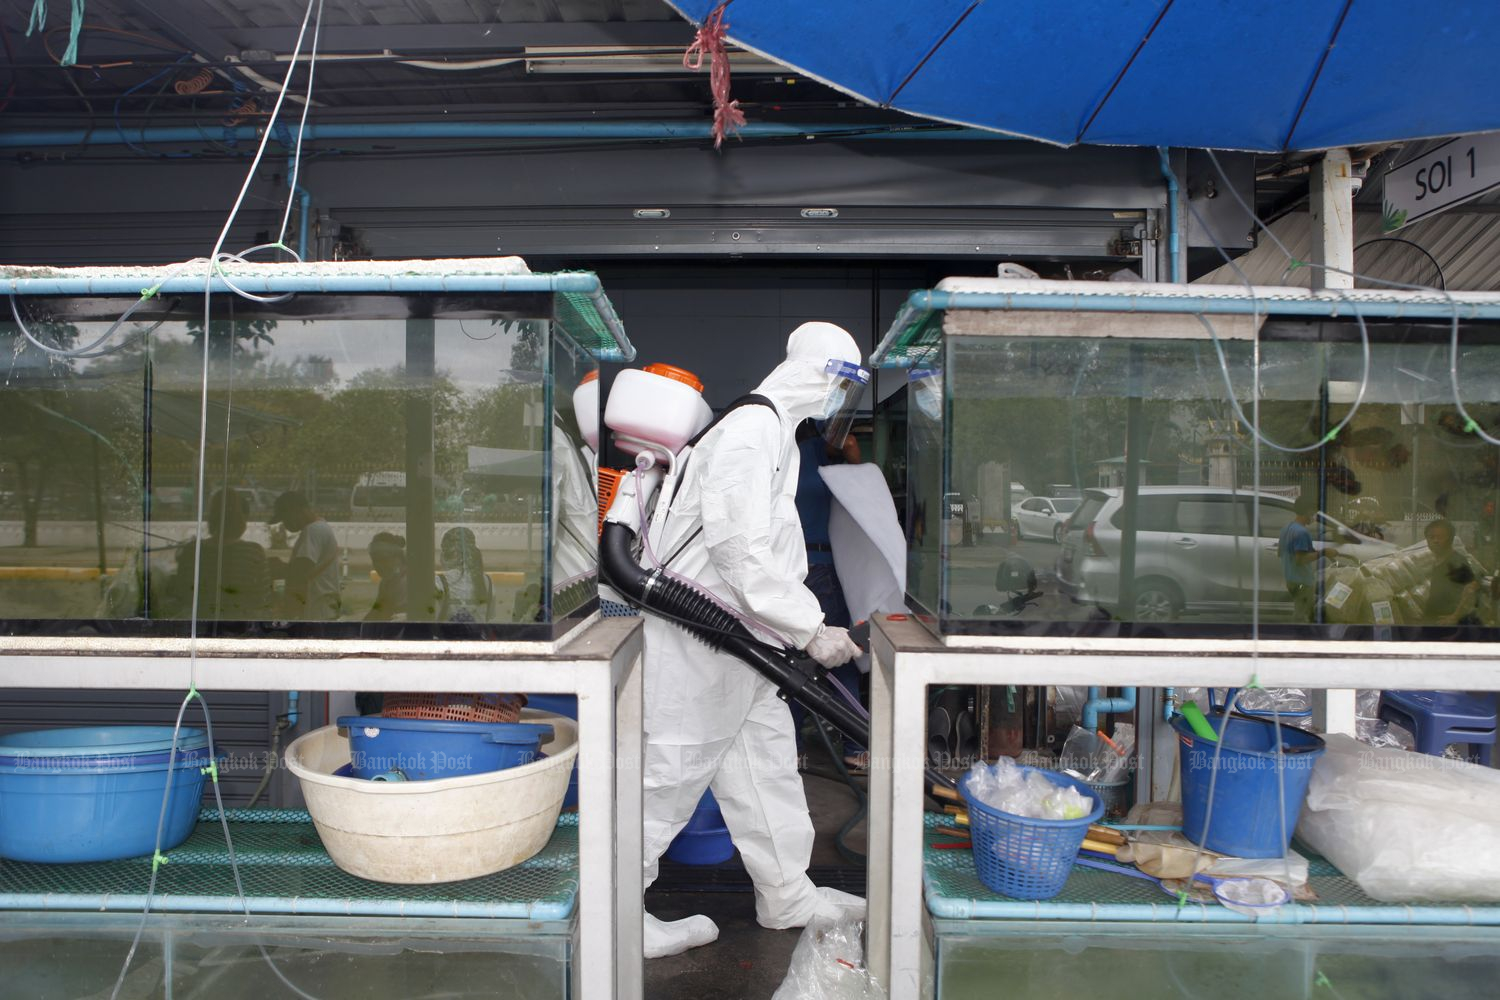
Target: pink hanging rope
(710,43)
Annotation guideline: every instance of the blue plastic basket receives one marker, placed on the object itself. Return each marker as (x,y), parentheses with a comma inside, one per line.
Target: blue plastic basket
(1027,858)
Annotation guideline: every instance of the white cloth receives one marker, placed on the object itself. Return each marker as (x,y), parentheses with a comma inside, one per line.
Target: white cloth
(710,720)
(869,547)
(318,544)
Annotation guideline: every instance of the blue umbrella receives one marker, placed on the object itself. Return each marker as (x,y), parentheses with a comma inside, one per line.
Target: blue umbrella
(1260,75)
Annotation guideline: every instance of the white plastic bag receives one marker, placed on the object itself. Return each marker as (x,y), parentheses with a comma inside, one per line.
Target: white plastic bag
(1406,826)
(829,964)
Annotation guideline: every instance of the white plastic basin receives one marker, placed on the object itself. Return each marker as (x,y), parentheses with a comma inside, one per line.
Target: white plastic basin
(420,832)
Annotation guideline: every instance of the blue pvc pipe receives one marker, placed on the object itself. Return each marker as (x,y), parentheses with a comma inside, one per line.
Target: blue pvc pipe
(1098,705)
(578,282)
(1430,307)
(301,905)
(292,281)
(502,130)
(304,207)
(1173,223)
(292,713)
(1209,913)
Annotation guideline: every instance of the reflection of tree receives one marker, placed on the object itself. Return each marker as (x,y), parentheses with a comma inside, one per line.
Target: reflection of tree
(64,434)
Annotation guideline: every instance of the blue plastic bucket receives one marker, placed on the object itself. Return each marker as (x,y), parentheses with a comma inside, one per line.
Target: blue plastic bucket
(705,840)
(66,798)
(426,749)
(1246,822)
(565,705)
(1027,858)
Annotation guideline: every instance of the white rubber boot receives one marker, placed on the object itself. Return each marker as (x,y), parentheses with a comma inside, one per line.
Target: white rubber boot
(795,905)
(662,938)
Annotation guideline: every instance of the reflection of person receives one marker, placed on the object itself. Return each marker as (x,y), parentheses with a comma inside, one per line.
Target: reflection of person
(312,573)
(466,592)
(388,559)
(710,720)
(234,582)
(1452,590)
(814,504)
(1299,558)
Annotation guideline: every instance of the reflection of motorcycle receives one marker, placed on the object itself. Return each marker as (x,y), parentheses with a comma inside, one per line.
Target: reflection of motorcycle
(1015,577)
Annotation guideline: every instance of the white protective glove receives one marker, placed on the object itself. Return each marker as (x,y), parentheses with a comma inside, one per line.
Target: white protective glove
(832,647)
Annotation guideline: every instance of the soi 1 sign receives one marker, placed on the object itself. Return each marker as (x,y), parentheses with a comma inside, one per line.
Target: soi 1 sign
(1440,178)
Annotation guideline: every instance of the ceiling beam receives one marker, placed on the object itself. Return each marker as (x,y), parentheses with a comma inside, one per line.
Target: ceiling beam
(409,39)
(183,24)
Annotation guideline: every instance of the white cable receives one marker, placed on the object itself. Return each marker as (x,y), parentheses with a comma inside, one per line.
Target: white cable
(1470,424)
(312,67)
(1255,316)
(213,261)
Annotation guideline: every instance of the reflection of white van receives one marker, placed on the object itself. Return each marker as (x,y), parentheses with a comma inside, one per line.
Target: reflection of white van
(379,496)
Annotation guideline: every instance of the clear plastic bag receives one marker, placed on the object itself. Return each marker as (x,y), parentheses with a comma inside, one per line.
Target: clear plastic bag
(829,964)
(1025,793)
(1371,729)
(1406,827)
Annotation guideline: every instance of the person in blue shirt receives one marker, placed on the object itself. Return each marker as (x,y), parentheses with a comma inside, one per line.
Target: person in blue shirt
(1299,558)
(814,504)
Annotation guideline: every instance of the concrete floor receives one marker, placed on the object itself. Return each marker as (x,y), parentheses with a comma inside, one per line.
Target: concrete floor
(747,961)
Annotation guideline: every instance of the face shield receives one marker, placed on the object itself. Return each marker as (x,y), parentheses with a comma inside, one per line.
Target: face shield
(926,388)
(844,397)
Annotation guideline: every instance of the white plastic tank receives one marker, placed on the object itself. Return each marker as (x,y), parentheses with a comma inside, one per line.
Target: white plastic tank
(658,405)
(586,409)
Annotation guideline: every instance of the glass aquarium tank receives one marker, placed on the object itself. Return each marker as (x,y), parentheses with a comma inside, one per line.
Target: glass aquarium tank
(380,450)
(1201,461)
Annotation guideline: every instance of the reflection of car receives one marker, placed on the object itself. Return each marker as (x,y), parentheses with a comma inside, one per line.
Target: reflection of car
(379,496)
(1193,551)
(1043,517)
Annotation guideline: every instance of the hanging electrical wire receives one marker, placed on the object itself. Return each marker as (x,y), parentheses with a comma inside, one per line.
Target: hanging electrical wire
(1471,425)
(214,268)
(1256,314)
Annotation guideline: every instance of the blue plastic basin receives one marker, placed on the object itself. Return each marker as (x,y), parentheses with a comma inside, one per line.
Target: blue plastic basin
(426,749)
(1246,820)
(705,839)
(565,705)
(65,798)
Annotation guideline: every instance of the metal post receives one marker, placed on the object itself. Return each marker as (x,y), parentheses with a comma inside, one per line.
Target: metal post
(1332,190)
(1332,196)
(421,556)
(1135,440)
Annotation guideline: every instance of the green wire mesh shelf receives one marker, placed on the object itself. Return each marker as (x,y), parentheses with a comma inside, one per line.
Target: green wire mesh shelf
(953,891)
(286,870)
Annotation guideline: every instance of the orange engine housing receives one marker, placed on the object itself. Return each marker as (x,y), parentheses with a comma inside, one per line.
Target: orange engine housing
(609,486)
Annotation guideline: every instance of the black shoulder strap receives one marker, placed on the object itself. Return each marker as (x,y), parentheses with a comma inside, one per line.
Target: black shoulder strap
(753,399)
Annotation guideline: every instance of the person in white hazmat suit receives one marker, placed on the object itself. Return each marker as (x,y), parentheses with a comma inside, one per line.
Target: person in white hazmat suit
(711,721)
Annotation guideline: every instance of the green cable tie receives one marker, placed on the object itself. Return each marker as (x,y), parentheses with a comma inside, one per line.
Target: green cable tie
(1254,683)
(1295,263)
(157,860)
(1328,438)
(1470,427)
(212,770)
(1182,898)
(1322,980)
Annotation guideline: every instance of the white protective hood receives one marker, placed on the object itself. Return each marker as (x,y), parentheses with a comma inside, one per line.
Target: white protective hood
(800,386)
